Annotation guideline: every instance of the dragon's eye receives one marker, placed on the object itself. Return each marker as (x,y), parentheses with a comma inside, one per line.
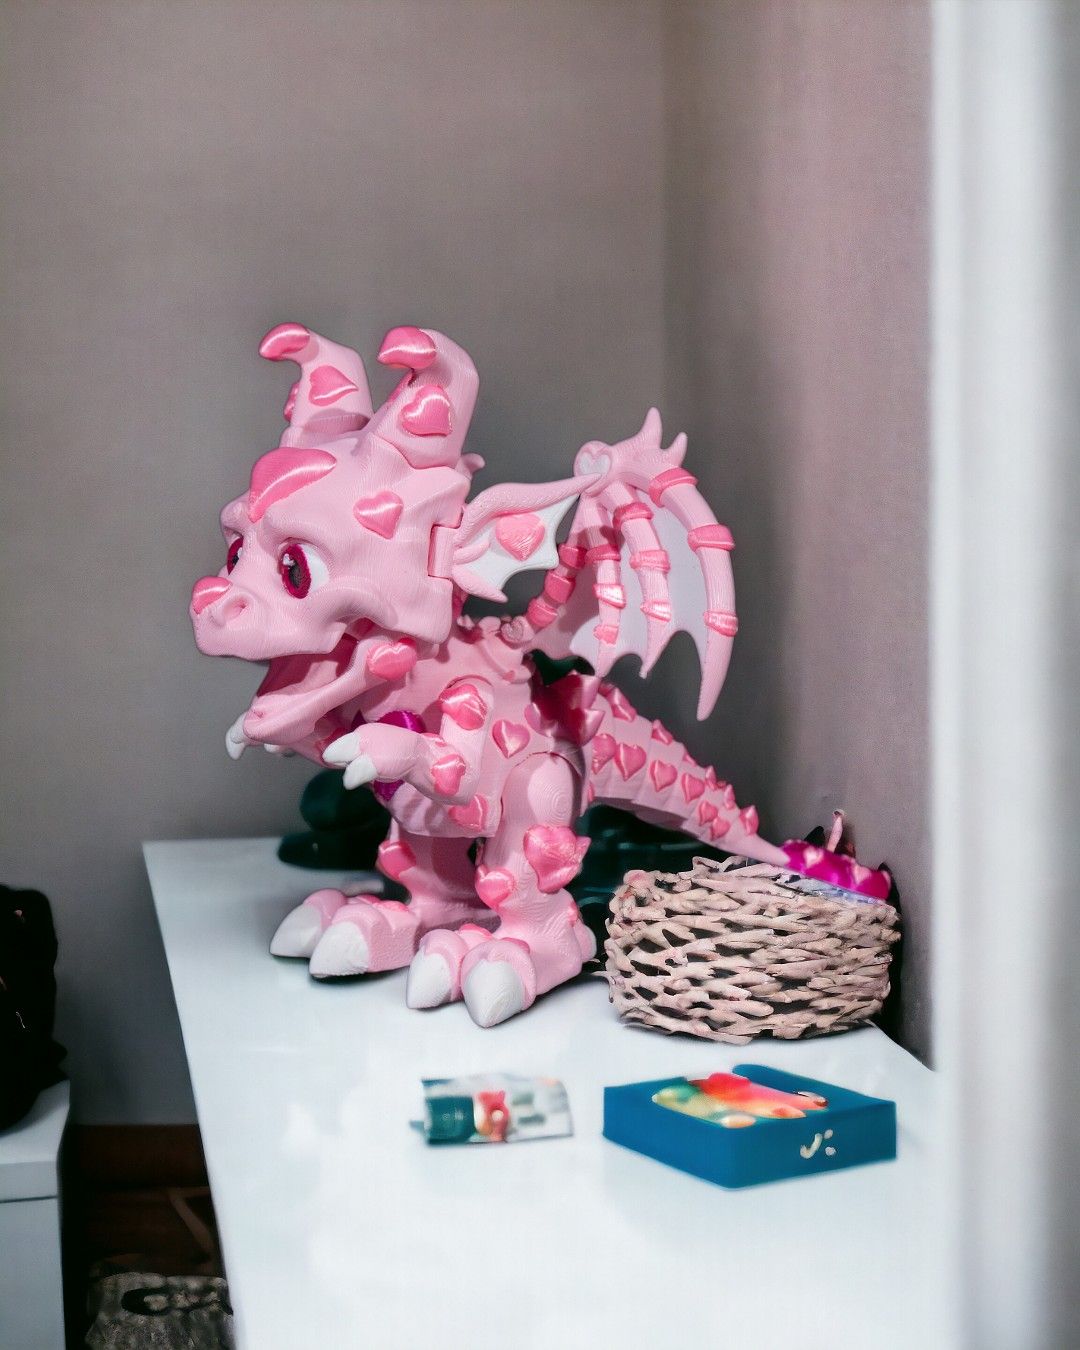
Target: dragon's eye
(301,569)
(233,555)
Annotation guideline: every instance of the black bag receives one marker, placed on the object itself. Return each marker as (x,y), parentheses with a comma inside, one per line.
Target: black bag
(29,1057)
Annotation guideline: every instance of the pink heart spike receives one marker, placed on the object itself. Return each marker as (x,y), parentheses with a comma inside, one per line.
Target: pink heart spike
(603,747)
(494,885)
(510,737)
(748,819)
(521,535)
(392,660)
(663,775)
(660,733)
(692,787)
(464,704)
(629,759)
(428,412)
(327,384)
(408,347)
(447,772)
(472,815)
(706,812)
(379,513)
(554,853)
(395,858)
(620,704)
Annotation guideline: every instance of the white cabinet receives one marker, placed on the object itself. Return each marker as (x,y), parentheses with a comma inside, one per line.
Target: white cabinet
(31,1282)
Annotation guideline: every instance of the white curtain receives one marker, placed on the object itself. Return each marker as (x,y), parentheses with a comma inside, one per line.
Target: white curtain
(1006,720)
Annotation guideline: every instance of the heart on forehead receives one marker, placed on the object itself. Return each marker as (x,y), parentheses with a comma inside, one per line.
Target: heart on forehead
(379,513)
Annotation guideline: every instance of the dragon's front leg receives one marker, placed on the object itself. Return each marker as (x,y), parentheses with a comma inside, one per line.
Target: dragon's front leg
(364,934)
(540,941)
(354,936)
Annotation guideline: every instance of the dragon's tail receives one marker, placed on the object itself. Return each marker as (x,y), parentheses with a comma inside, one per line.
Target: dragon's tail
(638,765)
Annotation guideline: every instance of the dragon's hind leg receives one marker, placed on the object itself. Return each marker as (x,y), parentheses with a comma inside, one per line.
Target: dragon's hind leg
(527,864)
(352,936)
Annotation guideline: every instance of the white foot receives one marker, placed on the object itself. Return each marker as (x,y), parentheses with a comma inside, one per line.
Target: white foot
(493,992)
(430,983)
(342,950)
(298,932)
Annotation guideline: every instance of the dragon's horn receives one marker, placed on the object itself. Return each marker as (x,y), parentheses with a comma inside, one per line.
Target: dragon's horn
(331,397)
(427,416)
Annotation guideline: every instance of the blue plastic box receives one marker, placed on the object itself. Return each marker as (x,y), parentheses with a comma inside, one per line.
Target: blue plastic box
(851,1129)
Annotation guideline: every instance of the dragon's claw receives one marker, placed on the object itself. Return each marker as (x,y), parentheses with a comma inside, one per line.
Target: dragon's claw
(494,992)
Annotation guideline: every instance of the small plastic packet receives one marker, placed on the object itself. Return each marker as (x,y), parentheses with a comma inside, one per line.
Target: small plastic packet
(494,1108)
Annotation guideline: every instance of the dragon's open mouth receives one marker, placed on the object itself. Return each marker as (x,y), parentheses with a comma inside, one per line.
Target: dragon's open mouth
(300,688)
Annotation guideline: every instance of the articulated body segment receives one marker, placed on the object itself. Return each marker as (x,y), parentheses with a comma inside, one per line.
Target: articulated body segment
(348,561)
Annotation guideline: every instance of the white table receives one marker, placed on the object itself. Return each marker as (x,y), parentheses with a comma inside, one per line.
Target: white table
(341,1228)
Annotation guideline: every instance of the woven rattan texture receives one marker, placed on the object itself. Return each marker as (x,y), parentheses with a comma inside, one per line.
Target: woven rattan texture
(729,951)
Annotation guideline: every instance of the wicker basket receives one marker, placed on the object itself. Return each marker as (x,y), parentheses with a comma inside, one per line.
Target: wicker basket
(733,950)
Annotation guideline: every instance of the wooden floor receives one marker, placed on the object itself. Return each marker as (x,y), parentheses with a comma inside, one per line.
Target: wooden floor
(136,1197)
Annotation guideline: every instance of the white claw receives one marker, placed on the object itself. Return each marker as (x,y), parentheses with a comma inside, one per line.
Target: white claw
(342,950)
(360,770)
(298,932)
(282,750)
(493,992)
(343,750)
(429,984)
(235,740)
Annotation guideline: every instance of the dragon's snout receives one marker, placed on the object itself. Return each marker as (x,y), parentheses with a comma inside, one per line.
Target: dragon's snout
(206,590)
(228,601)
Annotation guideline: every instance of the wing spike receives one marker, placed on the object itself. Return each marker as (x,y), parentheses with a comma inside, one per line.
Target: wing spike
(692,512)
(652,429)
(676,451)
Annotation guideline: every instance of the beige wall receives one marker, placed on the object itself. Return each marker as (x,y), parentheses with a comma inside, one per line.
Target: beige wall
(797,323)
(718,208)
(178,178)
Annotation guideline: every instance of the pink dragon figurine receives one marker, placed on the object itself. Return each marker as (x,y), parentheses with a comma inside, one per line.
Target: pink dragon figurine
(348,562)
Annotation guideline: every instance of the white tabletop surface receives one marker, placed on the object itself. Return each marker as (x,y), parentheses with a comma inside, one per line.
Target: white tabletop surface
(341,1228)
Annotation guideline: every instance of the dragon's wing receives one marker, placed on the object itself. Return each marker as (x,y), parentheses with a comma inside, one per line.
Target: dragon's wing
(645,558)
(508,529)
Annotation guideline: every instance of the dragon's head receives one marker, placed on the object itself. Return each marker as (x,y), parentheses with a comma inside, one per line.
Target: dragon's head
(326,554)
(353,548)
